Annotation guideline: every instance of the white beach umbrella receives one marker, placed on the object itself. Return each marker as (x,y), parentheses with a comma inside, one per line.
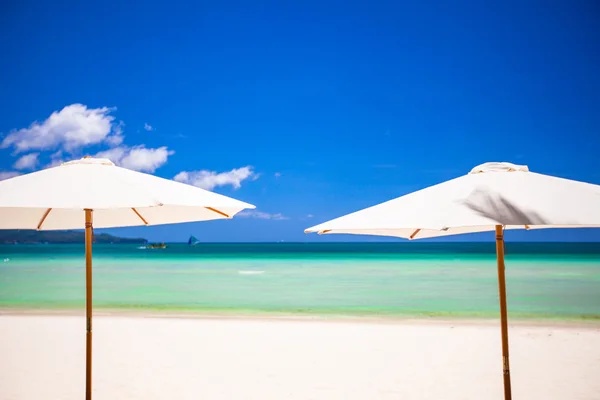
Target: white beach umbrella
(95,193)
(493,196)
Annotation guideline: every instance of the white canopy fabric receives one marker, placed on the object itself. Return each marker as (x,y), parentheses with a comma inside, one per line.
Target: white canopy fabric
(491,194)
(55,198)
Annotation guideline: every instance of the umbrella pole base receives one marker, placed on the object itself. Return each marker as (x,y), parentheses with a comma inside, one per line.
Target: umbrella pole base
(88,367)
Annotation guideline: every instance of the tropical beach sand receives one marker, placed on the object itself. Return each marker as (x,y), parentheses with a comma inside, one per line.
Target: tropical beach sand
(233,358)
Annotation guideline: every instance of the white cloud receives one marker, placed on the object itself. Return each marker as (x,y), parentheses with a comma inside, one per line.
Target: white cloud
(75,127)
(115,154)
(28,161)
(210,179)
(277,174)
(71,128)
(148,127)
(56,159)
(138,158)
(8,174)
(262,215)
(309,216)
(117,137)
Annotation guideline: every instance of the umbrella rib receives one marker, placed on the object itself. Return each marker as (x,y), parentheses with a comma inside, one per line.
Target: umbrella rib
(139,215)
(43,219)
(415,233)
(218,212)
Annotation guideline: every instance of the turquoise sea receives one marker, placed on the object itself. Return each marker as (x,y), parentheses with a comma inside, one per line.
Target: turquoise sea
(544,280)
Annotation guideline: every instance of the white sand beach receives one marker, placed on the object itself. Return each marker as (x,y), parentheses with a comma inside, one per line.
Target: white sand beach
(234,358)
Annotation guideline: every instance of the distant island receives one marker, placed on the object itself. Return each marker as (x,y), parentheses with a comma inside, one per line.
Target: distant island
(14,236)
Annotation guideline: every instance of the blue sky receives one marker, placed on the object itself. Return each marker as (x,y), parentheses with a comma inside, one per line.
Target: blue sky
(315,109)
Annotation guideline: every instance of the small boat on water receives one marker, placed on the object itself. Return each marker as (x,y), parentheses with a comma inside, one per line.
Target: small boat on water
(192,241)
(156,246)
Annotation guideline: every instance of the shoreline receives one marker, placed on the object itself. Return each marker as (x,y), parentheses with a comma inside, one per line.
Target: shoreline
(556,322)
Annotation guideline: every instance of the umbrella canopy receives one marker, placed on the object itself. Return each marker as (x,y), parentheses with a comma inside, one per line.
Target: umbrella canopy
(55,198)
(493,196)
(94,192)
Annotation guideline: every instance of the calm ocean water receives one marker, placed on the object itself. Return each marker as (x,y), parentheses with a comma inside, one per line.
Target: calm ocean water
(545,280)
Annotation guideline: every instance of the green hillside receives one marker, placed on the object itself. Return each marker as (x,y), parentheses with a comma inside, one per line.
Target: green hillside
(32,236)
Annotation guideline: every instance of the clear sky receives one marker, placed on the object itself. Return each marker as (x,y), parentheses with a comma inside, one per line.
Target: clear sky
(308,109)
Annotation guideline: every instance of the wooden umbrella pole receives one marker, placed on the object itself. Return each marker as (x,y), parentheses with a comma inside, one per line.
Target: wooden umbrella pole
(503,310)
(88,304)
